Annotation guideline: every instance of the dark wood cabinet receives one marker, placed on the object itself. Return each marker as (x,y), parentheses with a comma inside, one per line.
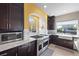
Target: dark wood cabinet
(51,22)
(23,50)
(10,52)
(28,49)
(11,17)
(32,51)
(3,17)
(61,42)
(66,43)
(53,38)
(16,15)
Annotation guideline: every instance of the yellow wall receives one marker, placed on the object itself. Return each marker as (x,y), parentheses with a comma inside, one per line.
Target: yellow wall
(32,8)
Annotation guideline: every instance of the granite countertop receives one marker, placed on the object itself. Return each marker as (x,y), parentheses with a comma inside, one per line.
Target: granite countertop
(10,45)
(67,35)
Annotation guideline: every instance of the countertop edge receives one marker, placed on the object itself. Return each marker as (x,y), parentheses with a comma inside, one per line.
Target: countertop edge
(7,46)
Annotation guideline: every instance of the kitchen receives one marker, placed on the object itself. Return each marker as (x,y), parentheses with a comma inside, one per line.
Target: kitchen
(27,30)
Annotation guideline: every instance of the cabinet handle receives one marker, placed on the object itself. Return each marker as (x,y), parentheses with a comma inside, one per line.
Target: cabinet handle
(7,26)
(3,54)
(24,46)
(16,54)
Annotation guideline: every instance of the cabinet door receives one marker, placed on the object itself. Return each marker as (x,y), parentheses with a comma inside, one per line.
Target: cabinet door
(51,22)
(28,49)
(23,50)
(16,14)
(61,42)
(68,43)
(65,43)
(53,39)
(10,52)
(3,17)
(32,49)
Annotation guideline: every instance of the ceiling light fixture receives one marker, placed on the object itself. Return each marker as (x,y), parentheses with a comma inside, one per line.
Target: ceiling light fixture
(45,6)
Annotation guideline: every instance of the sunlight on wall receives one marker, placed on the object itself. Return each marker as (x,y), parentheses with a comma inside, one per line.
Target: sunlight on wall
(32,8)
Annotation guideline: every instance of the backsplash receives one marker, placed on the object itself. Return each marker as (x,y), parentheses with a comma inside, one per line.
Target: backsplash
(27,34)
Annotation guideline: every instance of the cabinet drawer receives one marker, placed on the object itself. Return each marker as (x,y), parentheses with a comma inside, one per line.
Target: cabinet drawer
(10,52)
(22,50)
(66,43)
(32,48)
(27,49)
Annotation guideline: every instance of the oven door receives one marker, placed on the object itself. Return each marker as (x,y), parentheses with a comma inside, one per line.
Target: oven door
(39,47)
(45,43)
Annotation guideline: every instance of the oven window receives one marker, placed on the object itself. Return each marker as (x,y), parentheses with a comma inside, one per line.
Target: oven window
(45,43)
(40,47)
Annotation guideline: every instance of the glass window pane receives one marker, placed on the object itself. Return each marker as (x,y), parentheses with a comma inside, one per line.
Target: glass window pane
(67,27)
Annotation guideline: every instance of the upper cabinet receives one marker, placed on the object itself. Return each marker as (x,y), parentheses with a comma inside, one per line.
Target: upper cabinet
(11,15)
(3,17)
(16,16)
(51,22)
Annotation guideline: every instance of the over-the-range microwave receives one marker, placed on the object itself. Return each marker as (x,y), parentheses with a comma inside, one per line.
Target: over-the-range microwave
(10,37)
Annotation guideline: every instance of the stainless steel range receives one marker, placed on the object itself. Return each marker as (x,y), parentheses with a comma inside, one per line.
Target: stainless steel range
(10,37)
(42,44)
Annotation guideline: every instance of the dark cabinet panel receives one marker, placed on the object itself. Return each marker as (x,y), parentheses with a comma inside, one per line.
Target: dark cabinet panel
(32,49)
(3,17)
(51,22)
(53,38)
(66,43)
(10,52)
(23,50)
(28,49)
(16,14)
(61,42)
(11,17)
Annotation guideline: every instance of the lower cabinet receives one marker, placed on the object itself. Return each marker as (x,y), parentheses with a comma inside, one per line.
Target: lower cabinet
(32,50)
(22,50)
(28,49)
(10,52)
(53,38)
(65,43)
(61,42)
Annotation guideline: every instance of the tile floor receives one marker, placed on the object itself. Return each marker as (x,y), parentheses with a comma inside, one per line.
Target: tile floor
(61,51)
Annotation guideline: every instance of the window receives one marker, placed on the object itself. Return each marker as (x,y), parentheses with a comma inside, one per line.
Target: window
(67,27)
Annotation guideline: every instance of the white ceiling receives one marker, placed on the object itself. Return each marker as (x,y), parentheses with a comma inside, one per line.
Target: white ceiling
(59,8)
